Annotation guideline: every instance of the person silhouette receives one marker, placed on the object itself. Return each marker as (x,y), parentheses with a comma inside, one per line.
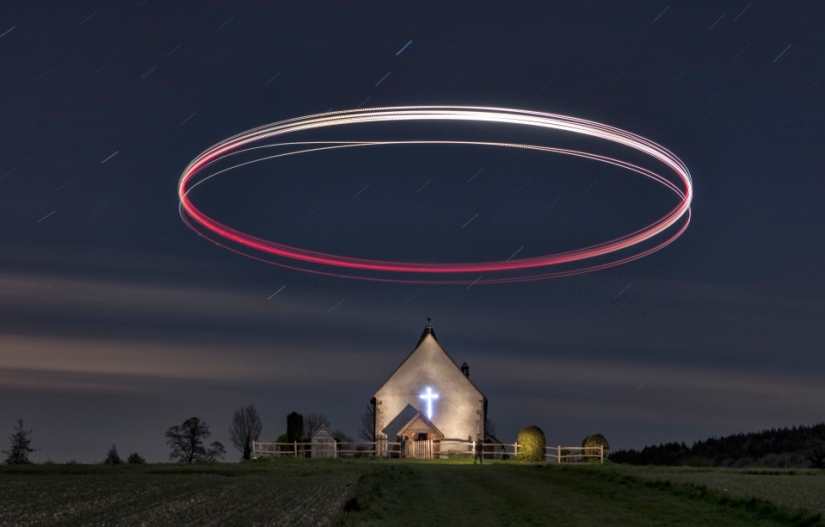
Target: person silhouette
(478,448)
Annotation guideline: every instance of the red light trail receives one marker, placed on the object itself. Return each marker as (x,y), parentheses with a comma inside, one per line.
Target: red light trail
(659,233)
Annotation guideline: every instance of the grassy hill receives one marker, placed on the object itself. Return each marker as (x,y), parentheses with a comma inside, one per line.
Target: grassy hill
(393,492)
(511,494)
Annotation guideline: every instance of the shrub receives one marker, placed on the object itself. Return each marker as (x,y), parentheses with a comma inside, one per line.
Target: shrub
(531,444)
(592,444)
(135,459)
(284,439)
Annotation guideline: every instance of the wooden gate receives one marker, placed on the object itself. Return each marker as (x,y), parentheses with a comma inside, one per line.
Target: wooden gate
(424,449)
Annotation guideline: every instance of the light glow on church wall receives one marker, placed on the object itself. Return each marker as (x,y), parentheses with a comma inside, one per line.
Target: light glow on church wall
(429,396)
(459,410)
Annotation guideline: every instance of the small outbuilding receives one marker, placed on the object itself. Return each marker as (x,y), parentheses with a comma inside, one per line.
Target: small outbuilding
(323,443)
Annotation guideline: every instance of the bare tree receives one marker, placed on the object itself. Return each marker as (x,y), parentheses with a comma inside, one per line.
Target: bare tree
(313,422)
(186,442)
(367,430)
(490,427)
(246,428)
(20,448)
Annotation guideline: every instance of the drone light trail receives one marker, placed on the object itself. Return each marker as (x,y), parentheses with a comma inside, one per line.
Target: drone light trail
(644,241)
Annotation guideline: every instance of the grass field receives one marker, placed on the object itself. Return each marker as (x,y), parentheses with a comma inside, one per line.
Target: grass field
(795,489)
(510,494)
(369,492)
(288,494)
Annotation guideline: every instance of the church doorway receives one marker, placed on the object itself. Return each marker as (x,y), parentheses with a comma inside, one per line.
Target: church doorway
(420,439)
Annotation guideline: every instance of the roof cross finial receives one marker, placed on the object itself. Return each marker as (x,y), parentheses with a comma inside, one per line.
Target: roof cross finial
(429,323)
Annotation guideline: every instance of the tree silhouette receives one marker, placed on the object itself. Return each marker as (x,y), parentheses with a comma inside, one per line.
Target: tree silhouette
(112,458)
(186,442)
(777,447)
(367,430)
(816,453)
(490,427)
(135,459)
(294,427)
(313,422)
(246,428)
(18,452)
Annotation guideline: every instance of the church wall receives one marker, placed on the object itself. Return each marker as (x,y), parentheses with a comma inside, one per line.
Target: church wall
(459,410)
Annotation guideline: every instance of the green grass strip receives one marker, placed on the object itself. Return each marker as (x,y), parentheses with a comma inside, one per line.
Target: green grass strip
(694,491)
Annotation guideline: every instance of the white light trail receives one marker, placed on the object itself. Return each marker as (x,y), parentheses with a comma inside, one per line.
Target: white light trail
(271,136)
(405,47)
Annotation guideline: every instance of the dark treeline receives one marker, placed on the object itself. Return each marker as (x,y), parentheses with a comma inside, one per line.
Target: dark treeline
(800,446)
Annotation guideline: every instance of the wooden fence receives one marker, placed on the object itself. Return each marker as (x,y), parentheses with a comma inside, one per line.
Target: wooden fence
(573,454)
(554,454)
(326,450)
(429,449)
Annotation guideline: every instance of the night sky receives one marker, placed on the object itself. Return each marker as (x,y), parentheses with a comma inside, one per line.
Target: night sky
(117,321)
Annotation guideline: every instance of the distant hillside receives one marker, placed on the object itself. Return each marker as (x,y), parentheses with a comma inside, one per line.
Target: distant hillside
(800,446)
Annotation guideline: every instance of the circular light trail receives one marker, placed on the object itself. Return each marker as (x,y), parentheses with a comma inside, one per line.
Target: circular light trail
(655,235)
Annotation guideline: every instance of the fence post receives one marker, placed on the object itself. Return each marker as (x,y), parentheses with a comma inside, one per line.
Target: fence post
(295,448)
(558,454)
(515,449)
(601,454)
(334,449)
(253,449)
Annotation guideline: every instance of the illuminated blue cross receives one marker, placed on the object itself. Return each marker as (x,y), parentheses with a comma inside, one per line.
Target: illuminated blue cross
(429,396)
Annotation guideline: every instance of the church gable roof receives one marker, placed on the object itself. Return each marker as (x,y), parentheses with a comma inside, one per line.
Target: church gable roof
(419,422)
(428,330)
(322,433)
(400,421)
(429,349)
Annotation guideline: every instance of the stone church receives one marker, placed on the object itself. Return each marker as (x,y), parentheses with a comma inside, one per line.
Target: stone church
(429,397)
